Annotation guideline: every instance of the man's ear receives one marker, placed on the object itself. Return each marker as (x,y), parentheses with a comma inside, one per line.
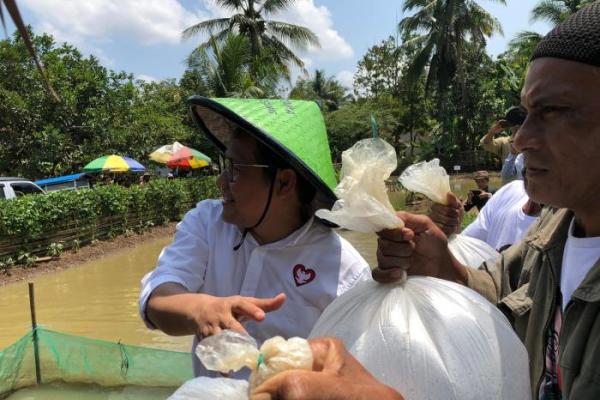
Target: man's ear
(286,182)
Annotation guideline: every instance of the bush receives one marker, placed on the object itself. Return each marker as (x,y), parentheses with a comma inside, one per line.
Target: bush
(35,217)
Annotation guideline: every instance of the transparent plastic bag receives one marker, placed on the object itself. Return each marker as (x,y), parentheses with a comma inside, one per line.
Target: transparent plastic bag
(231,351)
(430,339)
(204,388)
(363,203)
(428,178)
(472,252)
(431,179)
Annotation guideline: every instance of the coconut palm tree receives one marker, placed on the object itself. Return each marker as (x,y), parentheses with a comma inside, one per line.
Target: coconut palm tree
(328,91)
(443,29)
(224,67)
(521,47)
(249,21)
(556,11)
(553,11)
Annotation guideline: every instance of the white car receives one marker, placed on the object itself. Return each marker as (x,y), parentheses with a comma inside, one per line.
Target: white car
(11,188)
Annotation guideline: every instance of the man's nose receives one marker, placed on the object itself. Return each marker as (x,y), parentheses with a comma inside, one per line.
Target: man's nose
(527,137)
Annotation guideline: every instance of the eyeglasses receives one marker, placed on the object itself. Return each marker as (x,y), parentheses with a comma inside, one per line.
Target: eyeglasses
(231,168)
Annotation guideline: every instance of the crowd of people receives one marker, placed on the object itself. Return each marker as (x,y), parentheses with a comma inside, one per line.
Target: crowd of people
(233,262)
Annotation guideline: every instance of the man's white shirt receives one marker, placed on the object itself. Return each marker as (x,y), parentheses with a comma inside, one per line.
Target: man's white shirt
(579,257)
(502,221)
(312,266)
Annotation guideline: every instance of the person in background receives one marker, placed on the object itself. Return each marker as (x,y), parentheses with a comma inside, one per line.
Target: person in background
(480,196)
(257,261)
(144,179)
(502,145)
(503,221)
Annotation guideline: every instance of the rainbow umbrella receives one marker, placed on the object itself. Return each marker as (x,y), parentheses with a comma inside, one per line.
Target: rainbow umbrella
(188,158)
(114,163)
(177,155)
(164,153)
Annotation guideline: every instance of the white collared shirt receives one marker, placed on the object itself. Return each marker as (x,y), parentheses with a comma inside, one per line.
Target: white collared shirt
(501,221)
(312,266)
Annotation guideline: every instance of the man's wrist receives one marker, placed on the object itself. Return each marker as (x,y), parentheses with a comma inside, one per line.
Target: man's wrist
(456,272)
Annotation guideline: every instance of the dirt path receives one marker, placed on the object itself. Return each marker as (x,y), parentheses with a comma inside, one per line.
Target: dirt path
(85,254)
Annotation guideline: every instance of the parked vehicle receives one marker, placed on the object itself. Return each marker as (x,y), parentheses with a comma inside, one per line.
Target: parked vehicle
(11,187)
(66,182)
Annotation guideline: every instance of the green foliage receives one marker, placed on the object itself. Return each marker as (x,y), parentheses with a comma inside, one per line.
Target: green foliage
(556,11)
(327,91)
(26,259)
(266,36)
(55,249)
(36,216)
(227,68)
(101,111)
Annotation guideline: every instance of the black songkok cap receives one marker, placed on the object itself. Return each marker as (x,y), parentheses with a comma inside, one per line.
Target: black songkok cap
(576,39)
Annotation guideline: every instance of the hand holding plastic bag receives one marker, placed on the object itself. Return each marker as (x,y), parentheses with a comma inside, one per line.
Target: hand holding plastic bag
(363,203)
(430,339)
(431,179)
(232,351)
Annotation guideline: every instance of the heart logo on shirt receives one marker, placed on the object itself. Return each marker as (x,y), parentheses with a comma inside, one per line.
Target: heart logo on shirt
(303,275)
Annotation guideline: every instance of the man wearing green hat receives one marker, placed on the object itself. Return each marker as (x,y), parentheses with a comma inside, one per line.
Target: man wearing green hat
(256,261)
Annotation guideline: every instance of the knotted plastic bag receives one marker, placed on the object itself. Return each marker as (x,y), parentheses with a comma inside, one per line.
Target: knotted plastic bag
(363,203)
(430,339)
(231,351)
(431,179)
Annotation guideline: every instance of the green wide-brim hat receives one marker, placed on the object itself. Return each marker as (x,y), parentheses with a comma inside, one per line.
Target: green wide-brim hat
(292,129)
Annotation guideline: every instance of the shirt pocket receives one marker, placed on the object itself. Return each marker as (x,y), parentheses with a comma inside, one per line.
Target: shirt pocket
(518,302)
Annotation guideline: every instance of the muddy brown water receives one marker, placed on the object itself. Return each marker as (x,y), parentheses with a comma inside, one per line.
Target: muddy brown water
(99,300)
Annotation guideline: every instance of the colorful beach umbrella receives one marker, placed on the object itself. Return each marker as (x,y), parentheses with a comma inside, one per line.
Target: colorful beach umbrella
(164,153)
(188,158)
(177,155)
(114,163)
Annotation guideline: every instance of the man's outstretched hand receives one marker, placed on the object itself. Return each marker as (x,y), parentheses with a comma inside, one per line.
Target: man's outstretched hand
(336,375)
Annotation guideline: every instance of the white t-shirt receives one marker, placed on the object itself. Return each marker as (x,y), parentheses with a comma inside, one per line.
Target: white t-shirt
(312,266)
(501,221)
(579,257)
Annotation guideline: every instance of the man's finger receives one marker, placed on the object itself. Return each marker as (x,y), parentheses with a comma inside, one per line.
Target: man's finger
(416,223)
(245,309)
(270,304)
(389,262)
(329,354)
(453,201)
(254,308)
(387,275)
(396,235)
(389,248)
(234,325)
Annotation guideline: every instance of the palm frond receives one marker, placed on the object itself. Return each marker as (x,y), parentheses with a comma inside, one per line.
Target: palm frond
(271,6)
(297,36)
(412,4)
(549,10)
(233,5)
(207,26)
(282,52)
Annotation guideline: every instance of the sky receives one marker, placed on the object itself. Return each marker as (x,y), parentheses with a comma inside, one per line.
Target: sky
(143,37)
